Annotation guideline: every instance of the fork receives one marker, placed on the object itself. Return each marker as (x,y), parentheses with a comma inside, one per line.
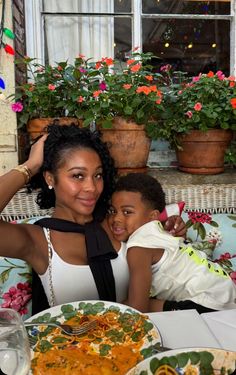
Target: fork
(66,328)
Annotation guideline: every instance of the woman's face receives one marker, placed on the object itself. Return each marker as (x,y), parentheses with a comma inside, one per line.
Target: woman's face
(78,185)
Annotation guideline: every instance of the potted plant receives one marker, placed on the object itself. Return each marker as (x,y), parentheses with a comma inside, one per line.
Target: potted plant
(113,94)
(200,113)
(49,93)
(125,102)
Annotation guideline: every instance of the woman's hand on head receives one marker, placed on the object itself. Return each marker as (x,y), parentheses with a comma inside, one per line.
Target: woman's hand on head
(176,226)
(35,159)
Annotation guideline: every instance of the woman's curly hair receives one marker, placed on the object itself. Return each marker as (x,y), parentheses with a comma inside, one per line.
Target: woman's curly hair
(60,140)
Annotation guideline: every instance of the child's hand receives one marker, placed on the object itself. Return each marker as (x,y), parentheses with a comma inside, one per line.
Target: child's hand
(176,226)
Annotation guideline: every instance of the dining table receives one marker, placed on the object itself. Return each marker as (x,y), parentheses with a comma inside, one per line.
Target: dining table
(188,328)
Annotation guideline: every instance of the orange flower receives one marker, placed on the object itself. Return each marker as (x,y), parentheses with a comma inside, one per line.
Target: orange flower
(109,61)
(98,65)
(143,89)
(149,78)
(135,68)
(130,61)
(59,68)
(233,103)
(97,93)
(158,101)
(153,88)
(127,86)
(210,74)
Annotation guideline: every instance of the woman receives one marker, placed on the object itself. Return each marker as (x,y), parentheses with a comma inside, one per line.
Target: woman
(73,255)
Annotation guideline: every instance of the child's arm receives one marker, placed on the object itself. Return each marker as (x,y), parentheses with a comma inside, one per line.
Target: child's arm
(139,262)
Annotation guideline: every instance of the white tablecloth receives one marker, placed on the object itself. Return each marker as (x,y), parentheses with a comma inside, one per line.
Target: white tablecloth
(223,325)
(186,328)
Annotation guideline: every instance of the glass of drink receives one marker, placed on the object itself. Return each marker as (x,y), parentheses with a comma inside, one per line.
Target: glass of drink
(14,345)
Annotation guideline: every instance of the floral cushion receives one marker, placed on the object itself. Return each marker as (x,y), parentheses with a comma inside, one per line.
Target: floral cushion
(216,235)
(15,282)
(213,233)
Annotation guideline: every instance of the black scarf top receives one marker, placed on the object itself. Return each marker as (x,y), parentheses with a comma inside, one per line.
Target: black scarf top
(99,252)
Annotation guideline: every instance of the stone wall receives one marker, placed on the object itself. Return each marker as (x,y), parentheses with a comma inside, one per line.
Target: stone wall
(14,20)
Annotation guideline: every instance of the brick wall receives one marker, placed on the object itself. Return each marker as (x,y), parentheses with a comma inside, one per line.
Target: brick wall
(20,71)
(19,30)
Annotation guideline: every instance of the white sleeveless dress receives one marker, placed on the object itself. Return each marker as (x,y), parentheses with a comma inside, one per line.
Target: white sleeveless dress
(76,283)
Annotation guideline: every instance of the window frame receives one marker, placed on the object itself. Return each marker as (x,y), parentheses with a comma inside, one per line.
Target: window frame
(34,21)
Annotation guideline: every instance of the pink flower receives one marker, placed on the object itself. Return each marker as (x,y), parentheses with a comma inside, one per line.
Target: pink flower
(82,70)
(165,68)
(103,86)
(17,107)
(80,99)
(233,276)
(195,79)
(220,75)
(198,107)
(189,114)
(17,297)
(51,87)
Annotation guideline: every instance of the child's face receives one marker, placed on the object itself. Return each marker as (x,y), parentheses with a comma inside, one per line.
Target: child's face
(127,213)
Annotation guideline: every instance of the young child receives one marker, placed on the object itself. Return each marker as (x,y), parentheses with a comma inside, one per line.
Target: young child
(177,275)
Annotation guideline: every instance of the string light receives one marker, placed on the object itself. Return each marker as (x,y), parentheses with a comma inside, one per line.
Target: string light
(5,32)
(167,45)
(213,45)
(190,45)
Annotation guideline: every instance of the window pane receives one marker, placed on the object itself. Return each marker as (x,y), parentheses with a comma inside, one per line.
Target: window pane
(94,37)
(123,37)
(122,6)
(193,45)
(186,7)
(81,6)
(66,37)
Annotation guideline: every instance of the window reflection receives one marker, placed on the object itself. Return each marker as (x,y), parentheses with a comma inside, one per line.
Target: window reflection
(193,45)
(186,7)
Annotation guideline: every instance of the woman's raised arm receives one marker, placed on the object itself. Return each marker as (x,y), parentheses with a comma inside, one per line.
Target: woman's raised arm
(16,240)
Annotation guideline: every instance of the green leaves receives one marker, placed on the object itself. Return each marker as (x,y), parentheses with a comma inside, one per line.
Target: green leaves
(203,360)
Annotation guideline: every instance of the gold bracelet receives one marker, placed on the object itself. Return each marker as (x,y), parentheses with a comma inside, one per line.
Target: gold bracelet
(25,171)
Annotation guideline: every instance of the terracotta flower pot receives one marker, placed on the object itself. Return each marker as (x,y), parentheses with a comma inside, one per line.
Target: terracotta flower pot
(38,126)
(203,152)
(128,144)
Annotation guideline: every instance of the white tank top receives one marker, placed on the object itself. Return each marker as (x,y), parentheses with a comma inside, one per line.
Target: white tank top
(76,283)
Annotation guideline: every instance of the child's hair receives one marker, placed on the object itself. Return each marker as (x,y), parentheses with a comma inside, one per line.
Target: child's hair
(61,140)
(149,188)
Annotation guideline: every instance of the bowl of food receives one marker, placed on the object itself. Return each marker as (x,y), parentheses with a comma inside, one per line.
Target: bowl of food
(188,361)
(121,338)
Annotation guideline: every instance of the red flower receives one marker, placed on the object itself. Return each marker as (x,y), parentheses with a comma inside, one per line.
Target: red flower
(233,102)
(199,217)
(198,107)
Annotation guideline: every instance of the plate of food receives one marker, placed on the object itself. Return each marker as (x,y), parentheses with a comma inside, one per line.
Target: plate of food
(121,338)
(188,361)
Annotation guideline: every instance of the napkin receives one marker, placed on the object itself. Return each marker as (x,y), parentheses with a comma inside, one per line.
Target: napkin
(223,324)
(183,329)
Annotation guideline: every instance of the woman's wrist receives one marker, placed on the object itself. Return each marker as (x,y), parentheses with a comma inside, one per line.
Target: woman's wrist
(25,171)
